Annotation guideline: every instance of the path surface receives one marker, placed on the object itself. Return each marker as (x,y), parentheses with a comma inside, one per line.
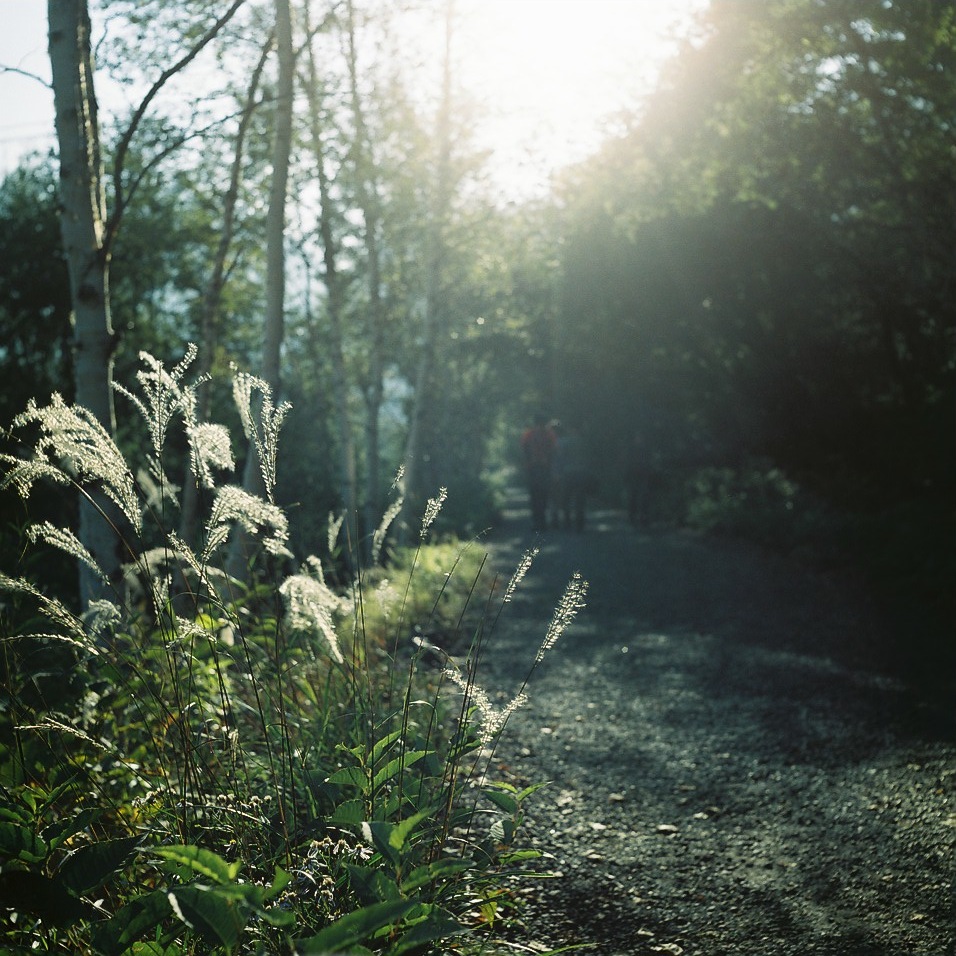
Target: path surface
(732,769)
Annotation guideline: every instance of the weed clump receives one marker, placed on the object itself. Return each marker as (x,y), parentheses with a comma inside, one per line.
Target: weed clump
(193,764)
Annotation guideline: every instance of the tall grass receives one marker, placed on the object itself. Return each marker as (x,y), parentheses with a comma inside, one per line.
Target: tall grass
(189,764)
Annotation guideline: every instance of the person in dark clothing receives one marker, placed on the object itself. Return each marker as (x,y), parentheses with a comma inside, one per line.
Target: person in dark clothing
(572,479)
(537,450)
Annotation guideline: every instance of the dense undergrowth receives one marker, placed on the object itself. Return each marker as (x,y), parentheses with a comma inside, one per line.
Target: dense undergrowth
(197,763)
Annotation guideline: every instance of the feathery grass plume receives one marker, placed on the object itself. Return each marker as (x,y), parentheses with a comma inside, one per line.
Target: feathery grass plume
(101,616)
(66,541)
(335,526)
(73,443)
(432,507)
(264,434)
(232,506)
(571,602)
(210,446)
(524,565)
(378,536)
(164,398)
(55,611)
(491,721)
(310,605)
(51,723)
(23,475)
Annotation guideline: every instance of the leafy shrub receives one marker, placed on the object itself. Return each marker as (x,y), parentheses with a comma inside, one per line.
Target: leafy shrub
(757,501)
(195,764)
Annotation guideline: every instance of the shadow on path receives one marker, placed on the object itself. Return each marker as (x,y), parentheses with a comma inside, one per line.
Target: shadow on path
(734,769)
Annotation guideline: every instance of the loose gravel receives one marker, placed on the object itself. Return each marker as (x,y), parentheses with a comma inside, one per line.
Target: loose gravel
(733,766)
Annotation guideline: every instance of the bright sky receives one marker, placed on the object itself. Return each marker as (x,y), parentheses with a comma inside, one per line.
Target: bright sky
(551,72)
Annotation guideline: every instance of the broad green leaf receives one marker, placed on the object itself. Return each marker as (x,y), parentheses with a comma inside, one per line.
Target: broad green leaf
(403,829)
(350,776)
(218,917)
(196,860)
(131,922)
(439,870)
(349,813)
(354,928)
(439,924)
(60,831)
(379,834)
(381,746)
(91,865)
(503,801)
(279,882)
(372,884)
(394,767)
(21,843)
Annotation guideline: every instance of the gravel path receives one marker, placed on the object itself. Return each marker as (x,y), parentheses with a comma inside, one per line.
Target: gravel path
(732,767)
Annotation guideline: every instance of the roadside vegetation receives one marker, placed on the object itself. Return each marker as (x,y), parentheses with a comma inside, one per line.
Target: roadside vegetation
(189,764)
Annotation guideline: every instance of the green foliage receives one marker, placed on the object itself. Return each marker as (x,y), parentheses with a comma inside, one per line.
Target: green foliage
(196,767)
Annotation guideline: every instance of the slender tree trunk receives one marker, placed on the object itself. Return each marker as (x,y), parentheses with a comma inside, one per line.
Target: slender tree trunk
(415,445)
(83,230)
(270,370)
(348,482)
(368,203)
(212,295)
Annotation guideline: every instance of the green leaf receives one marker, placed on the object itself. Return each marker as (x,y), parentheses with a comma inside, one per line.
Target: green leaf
(188,860)
(503,801)
(379,833)
(350,813)
(91,865)
(59,832)
(372,885)
(279,882)
(350,776)
(131,922)
(21,843)
(218,917)
(439,924)
(354,928)
(394,767)
(439,870)
(403,829)
(381,746)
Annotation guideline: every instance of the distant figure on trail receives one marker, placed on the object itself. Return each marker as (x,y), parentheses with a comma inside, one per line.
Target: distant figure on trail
(537,450)
(572,478)
(641,476)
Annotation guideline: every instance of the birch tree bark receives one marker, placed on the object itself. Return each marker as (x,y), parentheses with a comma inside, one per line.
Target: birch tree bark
(83,228)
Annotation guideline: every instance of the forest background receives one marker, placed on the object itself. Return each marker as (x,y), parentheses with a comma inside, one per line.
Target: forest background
(754,270)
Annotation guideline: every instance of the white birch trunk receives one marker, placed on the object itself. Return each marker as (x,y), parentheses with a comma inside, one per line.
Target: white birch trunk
(83,230)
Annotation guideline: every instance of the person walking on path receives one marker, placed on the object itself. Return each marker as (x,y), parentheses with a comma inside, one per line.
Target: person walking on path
(537,450)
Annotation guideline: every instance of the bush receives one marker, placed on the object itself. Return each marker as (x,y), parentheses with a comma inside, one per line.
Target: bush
(195,763)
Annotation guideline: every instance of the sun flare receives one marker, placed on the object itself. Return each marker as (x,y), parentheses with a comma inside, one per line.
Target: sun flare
(551,72)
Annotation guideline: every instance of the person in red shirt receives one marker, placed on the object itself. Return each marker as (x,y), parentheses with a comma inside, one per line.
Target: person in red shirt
(537,449)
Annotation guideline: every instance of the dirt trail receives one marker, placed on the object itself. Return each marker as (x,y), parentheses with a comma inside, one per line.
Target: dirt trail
(733,769)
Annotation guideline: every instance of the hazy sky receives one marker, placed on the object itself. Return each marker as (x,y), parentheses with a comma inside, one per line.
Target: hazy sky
(549,70)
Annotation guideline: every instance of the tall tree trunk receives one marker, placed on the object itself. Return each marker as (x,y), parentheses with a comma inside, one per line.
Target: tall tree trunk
(415,445)
(275,257)
(348,482)
(368,203)
(212,295)
(84,234)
